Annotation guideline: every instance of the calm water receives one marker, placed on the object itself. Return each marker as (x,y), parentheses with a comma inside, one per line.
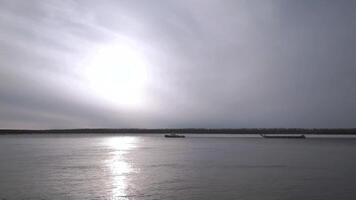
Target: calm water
(152,167)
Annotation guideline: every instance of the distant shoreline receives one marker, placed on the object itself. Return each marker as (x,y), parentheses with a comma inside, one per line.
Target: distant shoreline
(184,131)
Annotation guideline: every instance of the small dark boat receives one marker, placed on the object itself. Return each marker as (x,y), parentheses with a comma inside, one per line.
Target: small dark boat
(173,135)
(284,136)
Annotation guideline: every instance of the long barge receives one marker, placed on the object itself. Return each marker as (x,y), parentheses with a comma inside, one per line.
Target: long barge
(283,136)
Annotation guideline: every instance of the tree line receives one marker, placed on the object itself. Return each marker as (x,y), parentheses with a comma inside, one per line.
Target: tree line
(317,131)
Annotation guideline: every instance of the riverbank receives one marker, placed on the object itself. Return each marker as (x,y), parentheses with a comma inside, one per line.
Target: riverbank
(184,131)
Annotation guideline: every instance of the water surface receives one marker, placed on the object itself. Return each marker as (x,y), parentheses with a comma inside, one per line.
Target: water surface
(197,167)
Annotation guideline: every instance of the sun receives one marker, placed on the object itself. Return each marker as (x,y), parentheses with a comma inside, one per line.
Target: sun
(117,73)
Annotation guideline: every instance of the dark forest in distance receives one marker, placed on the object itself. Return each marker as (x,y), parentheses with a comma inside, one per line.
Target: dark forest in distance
(188,131)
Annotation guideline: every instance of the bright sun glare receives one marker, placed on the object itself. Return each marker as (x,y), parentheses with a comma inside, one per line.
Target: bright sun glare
(118,73)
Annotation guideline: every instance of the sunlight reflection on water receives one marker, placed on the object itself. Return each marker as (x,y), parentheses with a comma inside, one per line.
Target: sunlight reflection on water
(119,165)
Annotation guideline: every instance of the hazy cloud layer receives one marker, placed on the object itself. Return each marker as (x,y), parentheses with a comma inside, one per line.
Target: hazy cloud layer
(209,63)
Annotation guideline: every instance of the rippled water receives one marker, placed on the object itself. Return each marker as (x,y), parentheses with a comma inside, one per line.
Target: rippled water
(197,167)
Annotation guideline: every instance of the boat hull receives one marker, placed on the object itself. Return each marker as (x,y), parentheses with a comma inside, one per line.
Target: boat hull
(284,136)
(174,136)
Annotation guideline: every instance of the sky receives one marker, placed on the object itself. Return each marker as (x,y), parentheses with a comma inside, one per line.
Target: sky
(177,64)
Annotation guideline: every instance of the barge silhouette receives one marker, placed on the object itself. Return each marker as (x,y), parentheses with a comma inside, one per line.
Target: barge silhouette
(283,136)
(173,135)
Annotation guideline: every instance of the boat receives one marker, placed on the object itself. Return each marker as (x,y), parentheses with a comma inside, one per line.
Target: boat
(284,136)
(173,135)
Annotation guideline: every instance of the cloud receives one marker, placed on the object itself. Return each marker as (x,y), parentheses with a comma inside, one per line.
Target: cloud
(211,63)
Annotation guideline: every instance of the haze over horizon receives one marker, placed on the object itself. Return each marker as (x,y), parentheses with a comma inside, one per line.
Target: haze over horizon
(177,64)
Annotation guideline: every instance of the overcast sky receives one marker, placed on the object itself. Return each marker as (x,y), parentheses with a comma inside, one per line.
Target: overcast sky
(177,63)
